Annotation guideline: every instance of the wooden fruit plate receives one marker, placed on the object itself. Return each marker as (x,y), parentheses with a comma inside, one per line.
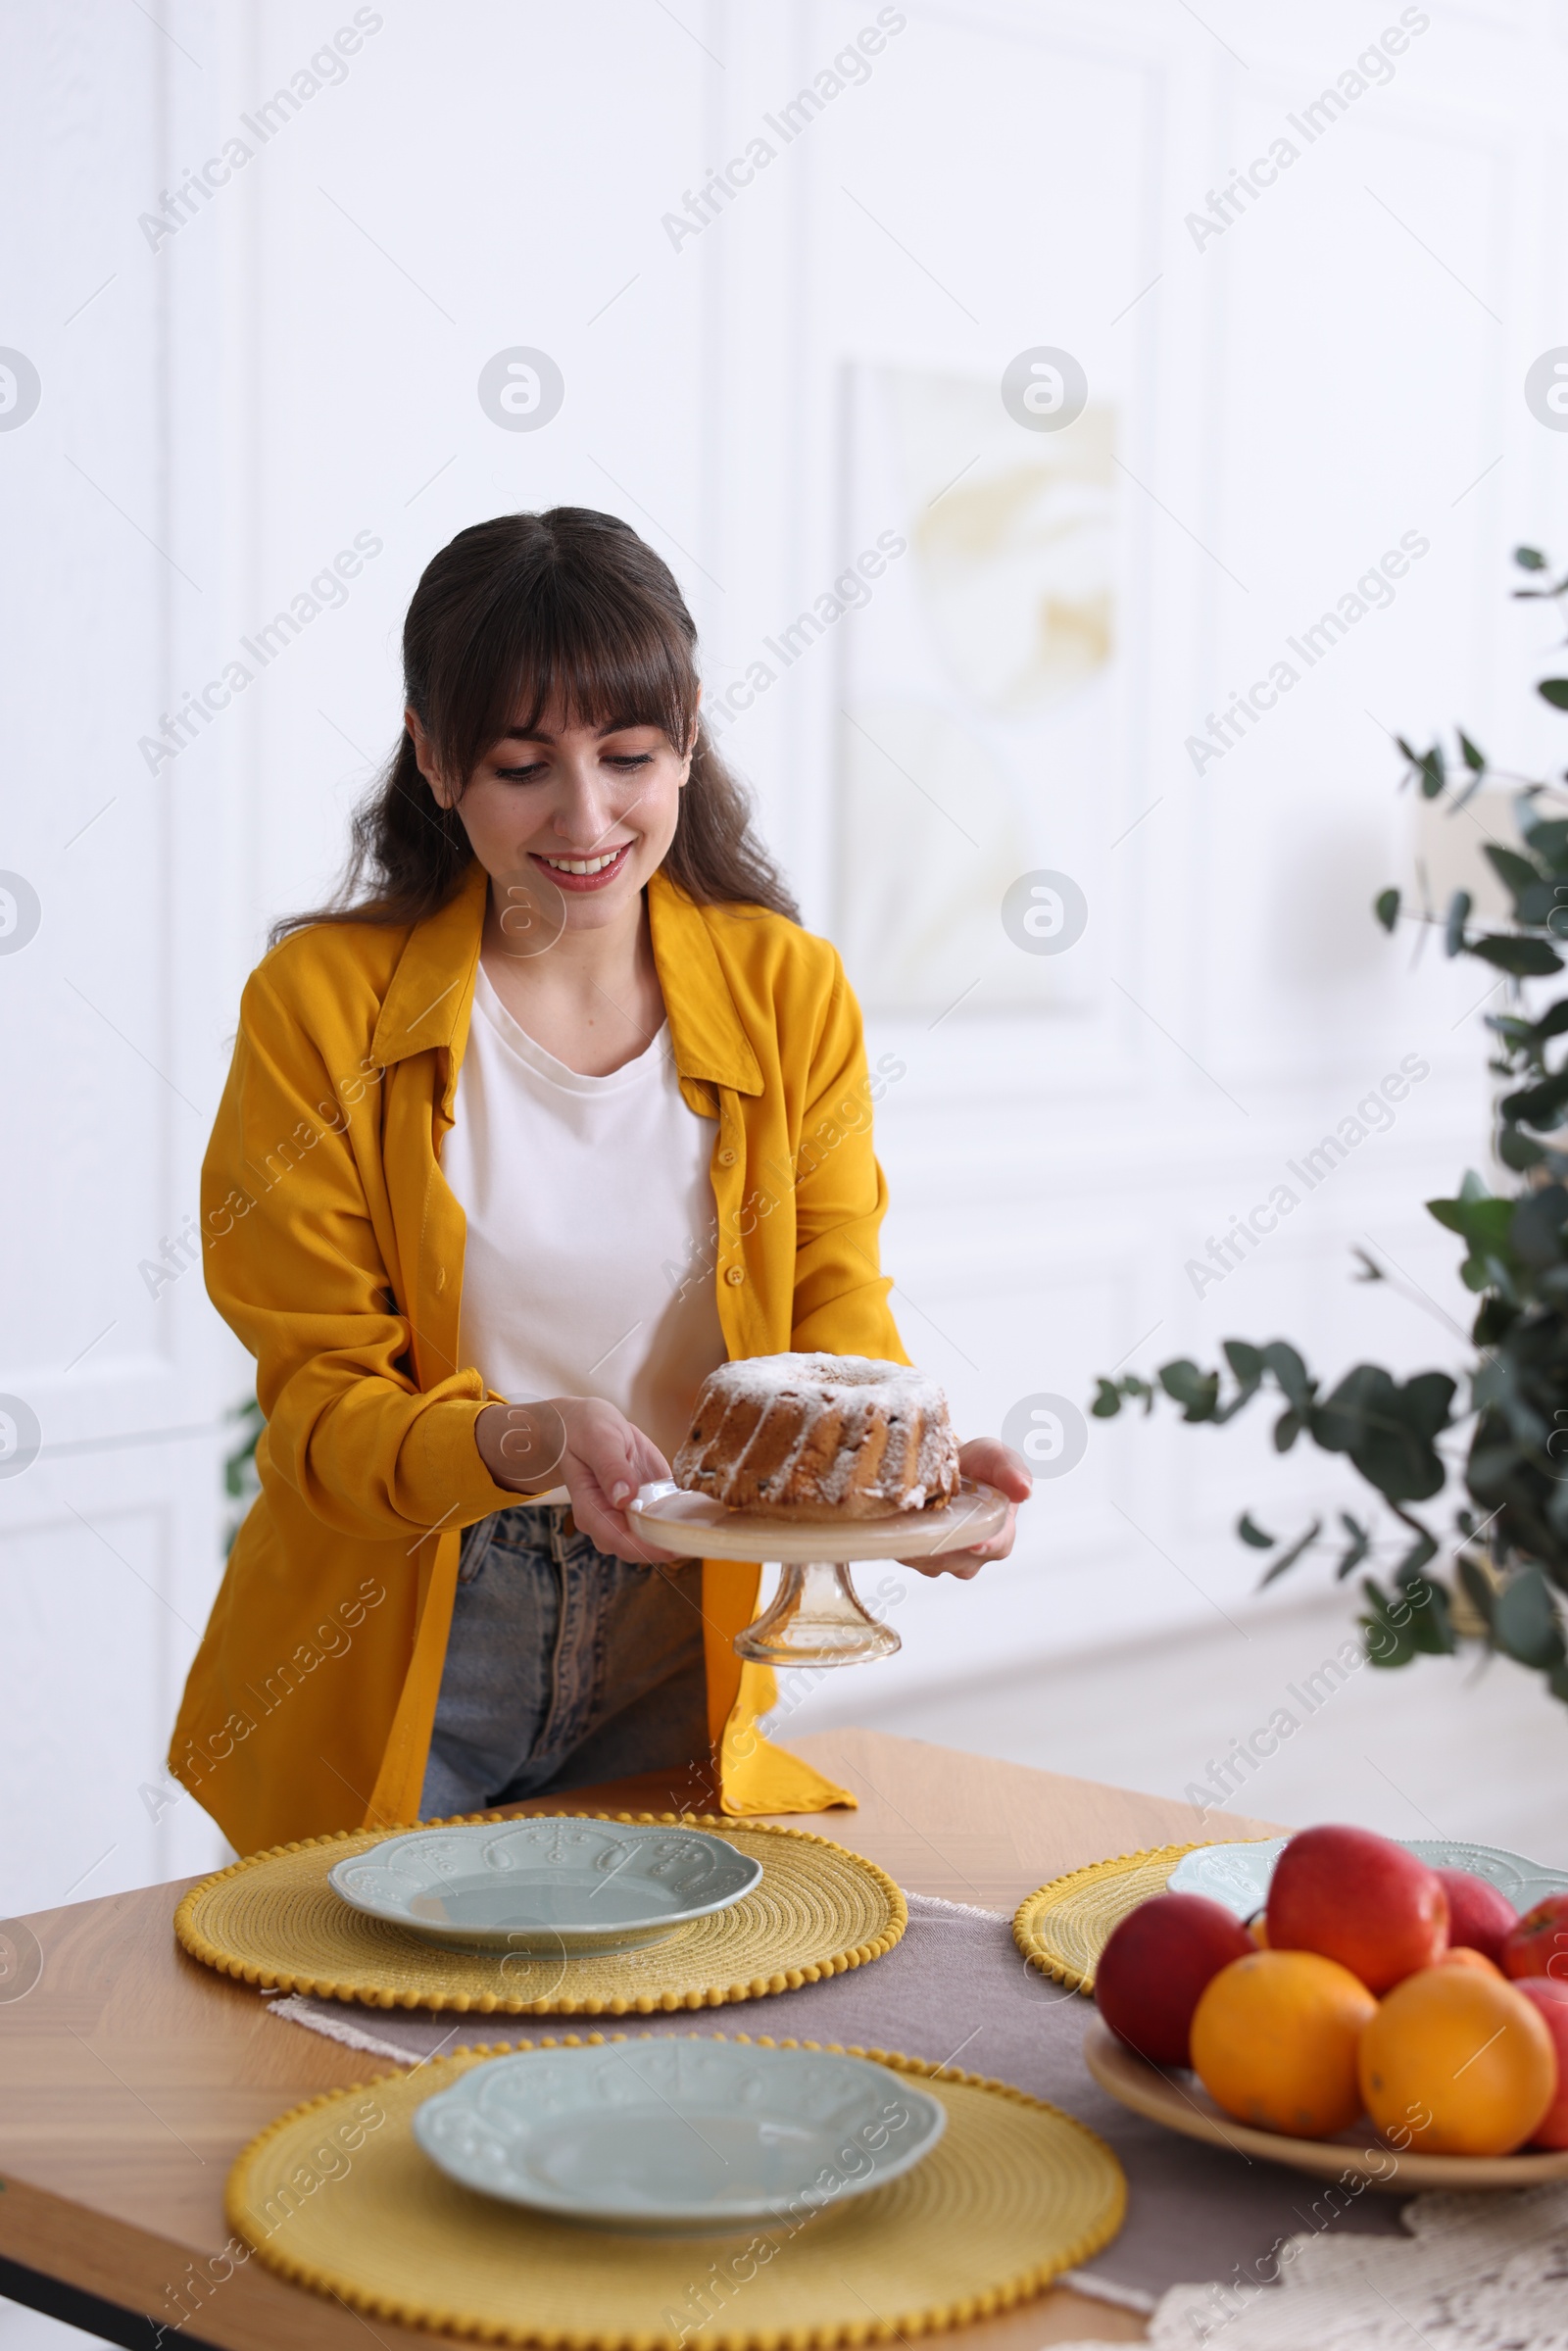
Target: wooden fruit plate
(1181,2102)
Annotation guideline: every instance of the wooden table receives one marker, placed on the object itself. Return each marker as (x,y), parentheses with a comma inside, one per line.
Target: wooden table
(130,2077)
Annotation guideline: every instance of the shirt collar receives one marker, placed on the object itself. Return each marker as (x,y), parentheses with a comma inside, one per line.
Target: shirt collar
(705,1030)
(429,999)
(432,987)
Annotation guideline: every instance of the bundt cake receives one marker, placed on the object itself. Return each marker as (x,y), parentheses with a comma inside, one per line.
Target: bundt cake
(819,1438)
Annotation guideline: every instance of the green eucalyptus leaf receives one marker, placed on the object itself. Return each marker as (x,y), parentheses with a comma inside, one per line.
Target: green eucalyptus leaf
(1555,691)
(1196,1391)
(1495,1318)
(1290,1371)
(1431,1626)
(1247,1362)
(1510,868)
(1474,759)
(1288,1558)
(1356,1551)
(1525,1623)
(1339,1423)
(1523,958)
(1254,1535)
(1485,1224)
(1491,1468)
(1539,1106)
(1530,558)
(1537,1228)
(1408,1572)
(1540,906)
(1425,1404)
(1517,1152)
(1385,907)
(1387,1643)
(1549,839)
(1459,915)
(1386,1429)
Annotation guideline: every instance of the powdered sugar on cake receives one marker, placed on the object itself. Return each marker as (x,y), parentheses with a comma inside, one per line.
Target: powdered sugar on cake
(820,1436)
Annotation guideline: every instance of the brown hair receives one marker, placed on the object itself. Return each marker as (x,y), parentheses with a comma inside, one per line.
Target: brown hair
(570,608)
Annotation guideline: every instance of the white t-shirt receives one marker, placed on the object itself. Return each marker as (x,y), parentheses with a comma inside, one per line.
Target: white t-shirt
(589,1267)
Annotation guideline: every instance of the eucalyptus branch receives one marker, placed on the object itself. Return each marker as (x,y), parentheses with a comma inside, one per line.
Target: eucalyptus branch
(1508,1553)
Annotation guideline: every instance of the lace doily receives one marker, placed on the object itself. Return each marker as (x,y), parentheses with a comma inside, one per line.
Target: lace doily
(1480,2273)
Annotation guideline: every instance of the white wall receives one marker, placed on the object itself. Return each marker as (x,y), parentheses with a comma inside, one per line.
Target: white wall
(299,363)
(115,1014)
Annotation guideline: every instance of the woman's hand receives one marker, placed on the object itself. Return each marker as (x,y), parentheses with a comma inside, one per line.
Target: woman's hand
(989,1463)
(585,1446)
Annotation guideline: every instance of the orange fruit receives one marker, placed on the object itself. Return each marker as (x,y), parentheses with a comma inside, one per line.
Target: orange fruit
(1454,2062)
(1466,1956)
(1274,2042)
(1257,1928)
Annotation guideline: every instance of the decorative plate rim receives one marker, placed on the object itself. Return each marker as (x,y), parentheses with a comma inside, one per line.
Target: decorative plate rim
(681,2217)
(201,1946)
(438,1931)
(1556,1881)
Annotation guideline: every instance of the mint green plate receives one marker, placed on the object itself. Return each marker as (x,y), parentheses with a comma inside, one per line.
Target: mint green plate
(551,1884)
(686,2138)
(1239,1875)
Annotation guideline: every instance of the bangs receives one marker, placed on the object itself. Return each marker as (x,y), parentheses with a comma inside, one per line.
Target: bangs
(519,620)
(584,651)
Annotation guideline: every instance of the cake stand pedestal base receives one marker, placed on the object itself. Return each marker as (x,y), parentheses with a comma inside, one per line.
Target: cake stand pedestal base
(816,1618)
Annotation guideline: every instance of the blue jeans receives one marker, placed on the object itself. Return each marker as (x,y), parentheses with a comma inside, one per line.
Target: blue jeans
(564,1667)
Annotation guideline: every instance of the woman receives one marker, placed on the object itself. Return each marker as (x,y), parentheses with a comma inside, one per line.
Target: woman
(558,1104)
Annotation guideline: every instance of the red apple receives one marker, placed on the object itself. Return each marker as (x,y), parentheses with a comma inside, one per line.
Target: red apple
(1479,1915)
(1550,1997)
(1360,1899)
(1156,1966)
(1538,1944)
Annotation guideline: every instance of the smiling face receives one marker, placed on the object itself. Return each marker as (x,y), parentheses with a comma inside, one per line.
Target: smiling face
(593,807)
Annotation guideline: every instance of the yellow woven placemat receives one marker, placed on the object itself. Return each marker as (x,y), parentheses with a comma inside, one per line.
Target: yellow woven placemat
(275,1922)
(1063,1928)
(338,2196)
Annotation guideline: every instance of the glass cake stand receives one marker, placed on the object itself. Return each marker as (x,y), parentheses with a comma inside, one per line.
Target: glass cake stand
(816,1617)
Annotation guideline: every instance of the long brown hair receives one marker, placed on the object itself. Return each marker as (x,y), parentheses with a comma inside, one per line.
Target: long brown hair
(569,608)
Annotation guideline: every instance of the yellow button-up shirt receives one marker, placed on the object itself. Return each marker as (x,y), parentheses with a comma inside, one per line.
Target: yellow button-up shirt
(333,1246)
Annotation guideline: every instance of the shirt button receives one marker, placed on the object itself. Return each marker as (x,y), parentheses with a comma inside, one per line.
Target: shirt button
(726,1157)
(734,1275)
